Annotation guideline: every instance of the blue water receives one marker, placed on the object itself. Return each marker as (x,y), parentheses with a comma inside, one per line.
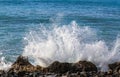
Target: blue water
(17,18)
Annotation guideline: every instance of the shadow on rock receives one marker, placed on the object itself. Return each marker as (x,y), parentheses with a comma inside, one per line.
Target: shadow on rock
(115,67)
(57,67)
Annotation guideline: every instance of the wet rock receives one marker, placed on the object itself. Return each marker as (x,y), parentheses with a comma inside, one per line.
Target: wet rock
(40,69)
(78,73)
(101,74)
(22,66)
(21,60)
(110,72)
(68,74)
(83,74)
(115,67)
(57,67)
(2,73)
(21,73)
(84,66)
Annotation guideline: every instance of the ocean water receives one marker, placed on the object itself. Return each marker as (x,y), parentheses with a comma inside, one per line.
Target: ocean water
(63,30)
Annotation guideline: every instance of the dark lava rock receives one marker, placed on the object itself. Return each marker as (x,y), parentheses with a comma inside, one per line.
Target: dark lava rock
(110,72)
(2,73)
(21,66)
(57,67)
(115,67)
(84,66)
(101,74)
(21,60)
(39,68)
(83,74)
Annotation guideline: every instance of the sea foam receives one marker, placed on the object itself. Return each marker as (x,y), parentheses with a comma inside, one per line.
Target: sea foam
(69,43)
(4,65)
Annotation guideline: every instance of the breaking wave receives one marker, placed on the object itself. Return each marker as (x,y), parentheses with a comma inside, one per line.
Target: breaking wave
(69,43)
(4,65)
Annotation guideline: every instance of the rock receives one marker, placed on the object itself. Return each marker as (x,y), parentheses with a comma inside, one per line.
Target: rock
(39,68)
(115,67)
(83,74)
(57,67)
(68,74)
(21,60)
(83,66)
(110,72)
(78,73)
(2,73)
(22,66)
(101,74)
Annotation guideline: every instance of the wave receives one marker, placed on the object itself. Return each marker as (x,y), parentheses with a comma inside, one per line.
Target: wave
(4,65)
(19,19)
(69,43)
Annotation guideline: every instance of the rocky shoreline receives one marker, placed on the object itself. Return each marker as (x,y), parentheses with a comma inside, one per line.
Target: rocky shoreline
(23,68)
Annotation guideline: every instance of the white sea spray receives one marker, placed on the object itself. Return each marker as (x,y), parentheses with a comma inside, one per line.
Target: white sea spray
(4,65)
(69,43)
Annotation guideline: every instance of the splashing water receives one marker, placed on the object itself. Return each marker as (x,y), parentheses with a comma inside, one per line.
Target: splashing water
(69,43)
(4,65)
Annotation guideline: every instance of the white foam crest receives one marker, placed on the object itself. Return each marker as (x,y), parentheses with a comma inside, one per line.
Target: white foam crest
(4,65)
(69,43)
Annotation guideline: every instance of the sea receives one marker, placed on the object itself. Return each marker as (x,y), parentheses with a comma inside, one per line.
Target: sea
(60,30)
